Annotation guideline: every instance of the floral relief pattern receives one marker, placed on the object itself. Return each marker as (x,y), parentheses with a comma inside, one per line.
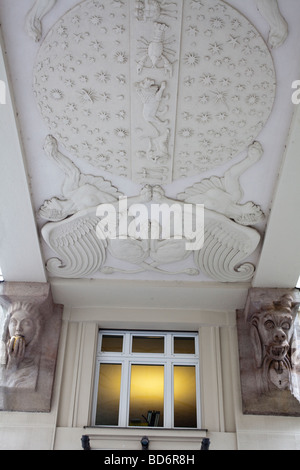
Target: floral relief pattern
(91,67)
(206,86)
(227,85)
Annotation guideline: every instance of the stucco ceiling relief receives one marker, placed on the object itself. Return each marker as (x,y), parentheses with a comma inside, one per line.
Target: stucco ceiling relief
(76,235)
(154,92)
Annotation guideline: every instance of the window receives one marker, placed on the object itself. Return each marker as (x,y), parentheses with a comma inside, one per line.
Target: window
(147,379)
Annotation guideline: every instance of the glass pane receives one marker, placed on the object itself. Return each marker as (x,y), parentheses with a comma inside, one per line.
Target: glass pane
(185,409)
(146,396)
(184,345)
(109,395)
(112,343)
(148,344)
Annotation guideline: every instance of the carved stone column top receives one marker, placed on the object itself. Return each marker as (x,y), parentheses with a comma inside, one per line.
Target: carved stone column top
(34,292)
(263,299)
(30,326)
(269,347)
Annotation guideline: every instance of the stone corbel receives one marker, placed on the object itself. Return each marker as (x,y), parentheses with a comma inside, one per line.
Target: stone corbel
(33,22)
(269,346)
(30,325)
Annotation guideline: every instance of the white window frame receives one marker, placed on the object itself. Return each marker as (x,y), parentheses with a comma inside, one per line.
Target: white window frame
(168,359)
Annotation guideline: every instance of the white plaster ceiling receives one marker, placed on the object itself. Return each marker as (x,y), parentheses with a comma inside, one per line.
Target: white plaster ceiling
(258,182)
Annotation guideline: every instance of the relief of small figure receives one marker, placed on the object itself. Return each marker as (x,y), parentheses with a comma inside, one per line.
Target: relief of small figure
(151,96)
(154,52)
(152,10)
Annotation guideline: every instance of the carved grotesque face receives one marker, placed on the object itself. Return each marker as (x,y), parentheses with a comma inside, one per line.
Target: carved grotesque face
(275,331)
(21,324)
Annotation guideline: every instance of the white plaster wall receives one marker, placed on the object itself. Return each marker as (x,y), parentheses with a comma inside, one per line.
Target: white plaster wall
(77,382)
(227,428)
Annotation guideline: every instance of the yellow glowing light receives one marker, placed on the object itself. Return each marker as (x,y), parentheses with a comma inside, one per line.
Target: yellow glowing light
(109,394)
(185,396)
(146,391)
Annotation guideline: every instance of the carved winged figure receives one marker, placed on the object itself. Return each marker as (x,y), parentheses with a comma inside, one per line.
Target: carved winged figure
(81,252)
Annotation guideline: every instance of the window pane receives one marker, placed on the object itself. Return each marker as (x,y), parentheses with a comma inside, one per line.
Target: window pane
(185,410)
(184,345)
(148,344)
(146,395)
(112,343)
(109,395)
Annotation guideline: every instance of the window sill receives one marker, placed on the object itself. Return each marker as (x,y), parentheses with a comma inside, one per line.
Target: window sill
(180,438)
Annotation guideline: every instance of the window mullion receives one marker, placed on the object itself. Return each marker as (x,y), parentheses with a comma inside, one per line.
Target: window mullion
(168,345)
(168,398)
(198,397)
(124,394)
(95,395)
(127,343)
